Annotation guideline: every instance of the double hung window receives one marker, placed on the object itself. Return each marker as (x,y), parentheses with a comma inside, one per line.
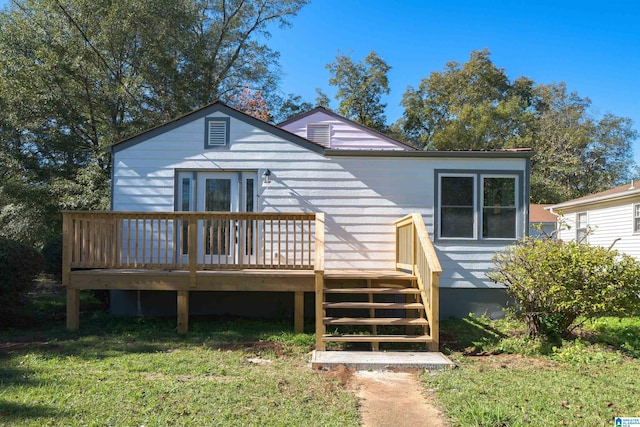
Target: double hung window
(581,226)
(477,206)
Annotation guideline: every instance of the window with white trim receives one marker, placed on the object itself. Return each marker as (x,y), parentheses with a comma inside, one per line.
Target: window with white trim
(581,226)
(319,133)
(480,206)
(216,132)
(636,218)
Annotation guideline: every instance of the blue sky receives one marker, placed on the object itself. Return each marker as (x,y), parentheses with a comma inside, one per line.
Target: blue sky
(593,46)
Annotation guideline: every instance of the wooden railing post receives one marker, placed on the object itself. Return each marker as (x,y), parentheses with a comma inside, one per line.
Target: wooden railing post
(193,252)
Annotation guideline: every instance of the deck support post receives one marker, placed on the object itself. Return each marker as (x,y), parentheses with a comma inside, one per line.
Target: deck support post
(320,328)
(73,309)
(298,316)
(434,326)
(183,312)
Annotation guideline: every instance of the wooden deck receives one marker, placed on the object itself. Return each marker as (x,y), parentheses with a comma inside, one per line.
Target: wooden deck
(186,252)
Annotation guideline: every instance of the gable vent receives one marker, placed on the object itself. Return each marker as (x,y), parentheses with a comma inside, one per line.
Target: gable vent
(319,133)
(217,133)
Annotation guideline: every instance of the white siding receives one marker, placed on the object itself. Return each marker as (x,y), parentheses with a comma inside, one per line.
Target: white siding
(344,136)
(361,196)
(608,221)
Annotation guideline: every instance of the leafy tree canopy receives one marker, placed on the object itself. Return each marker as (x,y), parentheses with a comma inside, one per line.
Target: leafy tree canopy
(476,106)
(361,86)
(78,76)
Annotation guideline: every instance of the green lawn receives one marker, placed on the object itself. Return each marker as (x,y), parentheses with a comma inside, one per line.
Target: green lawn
(135,372)
(138,371)
(504,379)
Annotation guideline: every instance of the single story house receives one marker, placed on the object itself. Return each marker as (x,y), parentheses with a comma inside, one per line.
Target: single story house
(317,193)
(607,218)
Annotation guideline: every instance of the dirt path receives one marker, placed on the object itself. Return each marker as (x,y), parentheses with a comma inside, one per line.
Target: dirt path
(394,399)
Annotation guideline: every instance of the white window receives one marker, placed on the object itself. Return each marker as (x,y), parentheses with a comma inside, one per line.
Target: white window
(319,133)
(216,133)
(636,218)
(477,206)
(581,226)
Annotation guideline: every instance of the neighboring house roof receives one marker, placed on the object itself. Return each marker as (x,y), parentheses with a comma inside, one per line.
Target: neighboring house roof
(539,213)
(621,192)
(323,110)
(214,107)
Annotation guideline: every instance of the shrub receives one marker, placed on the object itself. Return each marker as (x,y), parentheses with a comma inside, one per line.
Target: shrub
(554,283)
(19,266)
(52,252)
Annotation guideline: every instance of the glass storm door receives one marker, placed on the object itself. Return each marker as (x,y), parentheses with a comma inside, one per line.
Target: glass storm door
(218,192)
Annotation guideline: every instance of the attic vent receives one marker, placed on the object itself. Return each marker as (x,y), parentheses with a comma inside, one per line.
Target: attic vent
(216,132)
(319,133)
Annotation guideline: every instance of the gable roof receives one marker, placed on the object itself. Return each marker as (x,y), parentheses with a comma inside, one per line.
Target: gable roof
(538,214)
(621,192)
(320,109)
(215,107)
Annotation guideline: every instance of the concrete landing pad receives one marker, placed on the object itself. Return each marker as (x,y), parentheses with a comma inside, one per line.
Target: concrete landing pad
(380,360)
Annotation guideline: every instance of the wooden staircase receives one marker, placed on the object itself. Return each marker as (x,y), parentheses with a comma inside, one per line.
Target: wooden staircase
(373,307)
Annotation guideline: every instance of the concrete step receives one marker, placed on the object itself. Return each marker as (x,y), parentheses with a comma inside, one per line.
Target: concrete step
(380,360)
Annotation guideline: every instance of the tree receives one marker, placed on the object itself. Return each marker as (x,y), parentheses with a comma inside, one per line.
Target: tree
(475,106)
(468,106)
(290,106)
(361,86)
(77,76)
(576,154)
(251,102)
(322,99)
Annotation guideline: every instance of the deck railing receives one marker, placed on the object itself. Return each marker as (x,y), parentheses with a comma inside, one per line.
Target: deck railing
(190,240)
(415,253)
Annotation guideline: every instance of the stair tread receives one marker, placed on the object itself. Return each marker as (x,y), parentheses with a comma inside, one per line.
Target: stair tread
(413,291)
(375,305)
(377,338)
(374,321)
(368,274)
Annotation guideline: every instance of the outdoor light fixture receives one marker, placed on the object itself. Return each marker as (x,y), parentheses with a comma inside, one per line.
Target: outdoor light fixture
(267,176)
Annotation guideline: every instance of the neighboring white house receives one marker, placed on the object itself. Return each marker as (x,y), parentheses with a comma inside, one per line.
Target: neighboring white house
(473,203)
(541,221)
(612,218)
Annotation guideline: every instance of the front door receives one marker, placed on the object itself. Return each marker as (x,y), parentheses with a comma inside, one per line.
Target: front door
(220,242)
(218,192)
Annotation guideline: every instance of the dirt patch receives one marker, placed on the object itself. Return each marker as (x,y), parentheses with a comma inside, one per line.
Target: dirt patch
(393,399)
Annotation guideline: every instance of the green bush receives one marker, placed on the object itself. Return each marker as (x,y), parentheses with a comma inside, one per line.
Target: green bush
(52,252)
(554,283)
(19,266)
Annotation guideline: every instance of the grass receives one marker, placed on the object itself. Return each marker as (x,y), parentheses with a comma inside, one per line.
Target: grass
(506,379)
(136,372)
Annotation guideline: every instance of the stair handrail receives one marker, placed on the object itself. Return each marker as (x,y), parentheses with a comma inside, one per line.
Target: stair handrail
(415,252)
